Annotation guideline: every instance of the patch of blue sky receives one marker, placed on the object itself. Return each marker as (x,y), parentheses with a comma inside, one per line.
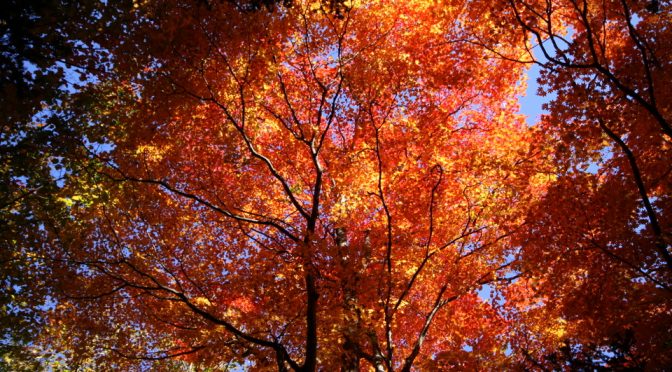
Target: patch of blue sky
(488,292)
(485,292)
(531,104)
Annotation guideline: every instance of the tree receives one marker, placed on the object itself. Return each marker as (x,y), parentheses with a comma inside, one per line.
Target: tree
(603,228)
(46,53)
(297,189)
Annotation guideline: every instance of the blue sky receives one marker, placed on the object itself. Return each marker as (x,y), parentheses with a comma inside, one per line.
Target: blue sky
(530,104)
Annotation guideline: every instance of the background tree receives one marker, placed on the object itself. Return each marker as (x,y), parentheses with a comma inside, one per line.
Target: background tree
(46,53)
(603,229)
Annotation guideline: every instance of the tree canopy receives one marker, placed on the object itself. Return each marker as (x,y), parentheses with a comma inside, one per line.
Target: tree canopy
(324,185)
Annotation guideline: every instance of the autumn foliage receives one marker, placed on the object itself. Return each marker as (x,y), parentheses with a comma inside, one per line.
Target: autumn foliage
(351,185)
